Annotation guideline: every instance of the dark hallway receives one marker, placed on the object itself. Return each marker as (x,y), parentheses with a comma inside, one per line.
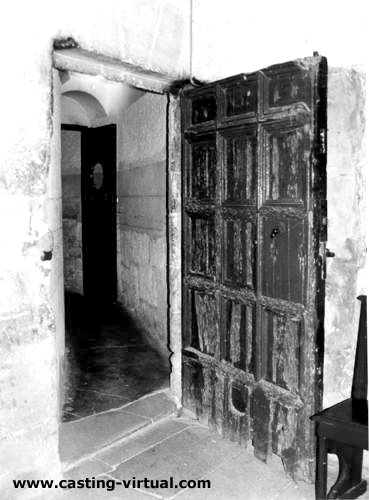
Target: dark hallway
(108,366)
(114,251)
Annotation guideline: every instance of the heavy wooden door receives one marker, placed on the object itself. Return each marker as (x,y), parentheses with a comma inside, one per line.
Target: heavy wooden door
(254,226)
(98,153)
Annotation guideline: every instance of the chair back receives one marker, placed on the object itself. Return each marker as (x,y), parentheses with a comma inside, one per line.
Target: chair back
(360,379)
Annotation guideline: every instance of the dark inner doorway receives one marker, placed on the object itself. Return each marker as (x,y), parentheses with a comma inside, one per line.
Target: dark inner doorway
(108,360)
(98,189)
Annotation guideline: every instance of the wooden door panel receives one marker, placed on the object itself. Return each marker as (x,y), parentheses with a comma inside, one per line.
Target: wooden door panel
(239,335)
(203,329)
(276,417)
(201,249)
(201,179)
(204,322)
(205,392)
(239,97)
(262,412)
(203,107)
(240,166)
(283,335)
(284,257)
(287,150)
(288,85)
(193,386)
(240,236)
(215,391)
(237,411)
(254,216)
(284,429)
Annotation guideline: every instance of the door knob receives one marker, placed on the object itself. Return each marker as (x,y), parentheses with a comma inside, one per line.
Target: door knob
(328,253)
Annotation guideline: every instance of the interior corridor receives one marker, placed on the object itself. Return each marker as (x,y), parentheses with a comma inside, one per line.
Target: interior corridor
(114,244)
(109,363)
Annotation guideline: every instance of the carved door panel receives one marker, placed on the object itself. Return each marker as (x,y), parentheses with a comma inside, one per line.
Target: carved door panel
(253,279)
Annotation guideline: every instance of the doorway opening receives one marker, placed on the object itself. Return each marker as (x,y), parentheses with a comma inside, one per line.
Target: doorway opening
(114,245)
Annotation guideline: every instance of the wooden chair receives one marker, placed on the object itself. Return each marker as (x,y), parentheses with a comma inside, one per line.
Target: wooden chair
(343,429)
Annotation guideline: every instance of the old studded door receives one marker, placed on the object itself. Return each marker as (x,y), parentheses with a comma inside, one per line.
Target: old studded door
(254,231)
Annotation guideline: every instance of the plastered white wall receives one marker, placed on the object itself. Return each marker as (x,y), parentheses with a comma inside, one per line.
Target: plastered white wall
(239,36)
(151,33)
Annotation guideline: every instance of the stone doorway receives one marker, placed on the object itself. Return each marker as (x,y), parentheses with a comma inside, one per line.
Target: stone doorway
(108,362)
(130,233)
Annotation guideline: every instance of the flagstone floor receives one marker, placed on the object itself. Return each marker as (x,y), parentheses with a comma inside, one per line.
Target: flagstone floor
(182,449)
(117,429)
(109,363)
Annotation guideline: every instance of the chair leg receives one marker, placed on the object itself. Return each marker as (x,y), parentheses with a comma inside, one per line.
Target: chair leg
(321,469)
(349,483)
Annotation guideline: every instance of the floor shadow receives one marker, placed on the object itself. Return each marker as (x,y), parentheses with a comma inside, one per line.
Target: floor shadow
(108,361)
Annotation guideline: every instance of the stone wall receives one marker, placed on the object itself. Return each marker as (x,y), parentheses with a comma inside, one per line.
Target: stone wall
(72,210)
(152,33)
(142,280)
(346,228)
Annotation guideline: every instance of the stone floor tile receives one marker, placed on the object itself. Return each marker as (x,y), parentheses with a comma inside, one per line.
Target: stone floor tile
(154,406)
(110,357)
(190,454)
(132,493)
(103,494)
(88,468)
(142,440)
(68,417)
(246,477)
(92,402)
(88,435)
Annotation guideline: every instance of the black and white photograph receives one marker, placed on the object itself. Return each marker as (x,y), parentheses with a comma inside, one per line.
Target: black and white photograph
(183,250)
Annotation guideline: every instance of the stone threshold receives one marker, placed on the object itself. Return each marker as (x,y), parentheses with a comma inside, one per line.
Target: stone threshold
(82,439)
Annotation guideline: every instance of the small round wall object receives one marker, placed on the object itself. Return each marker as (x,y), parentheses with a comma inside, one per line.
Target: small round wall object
(97,176)
(45,246)
(47,255)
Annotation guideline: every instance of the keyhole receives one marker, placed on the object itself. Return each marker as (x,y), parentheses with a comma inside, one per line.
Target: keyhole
(274,232)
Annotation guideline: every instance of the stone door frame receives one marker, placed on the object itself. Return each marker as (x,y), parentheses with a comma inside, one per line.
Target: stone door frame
(83,62)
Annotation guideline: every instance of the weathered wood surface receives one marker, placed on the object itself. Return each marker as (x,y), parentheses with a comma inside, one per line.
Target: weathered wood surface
(174,200)
(253,286)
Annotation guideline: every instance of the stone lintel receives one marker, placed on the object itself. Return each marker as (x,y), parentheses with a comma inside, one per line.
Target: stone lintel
(90,63)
